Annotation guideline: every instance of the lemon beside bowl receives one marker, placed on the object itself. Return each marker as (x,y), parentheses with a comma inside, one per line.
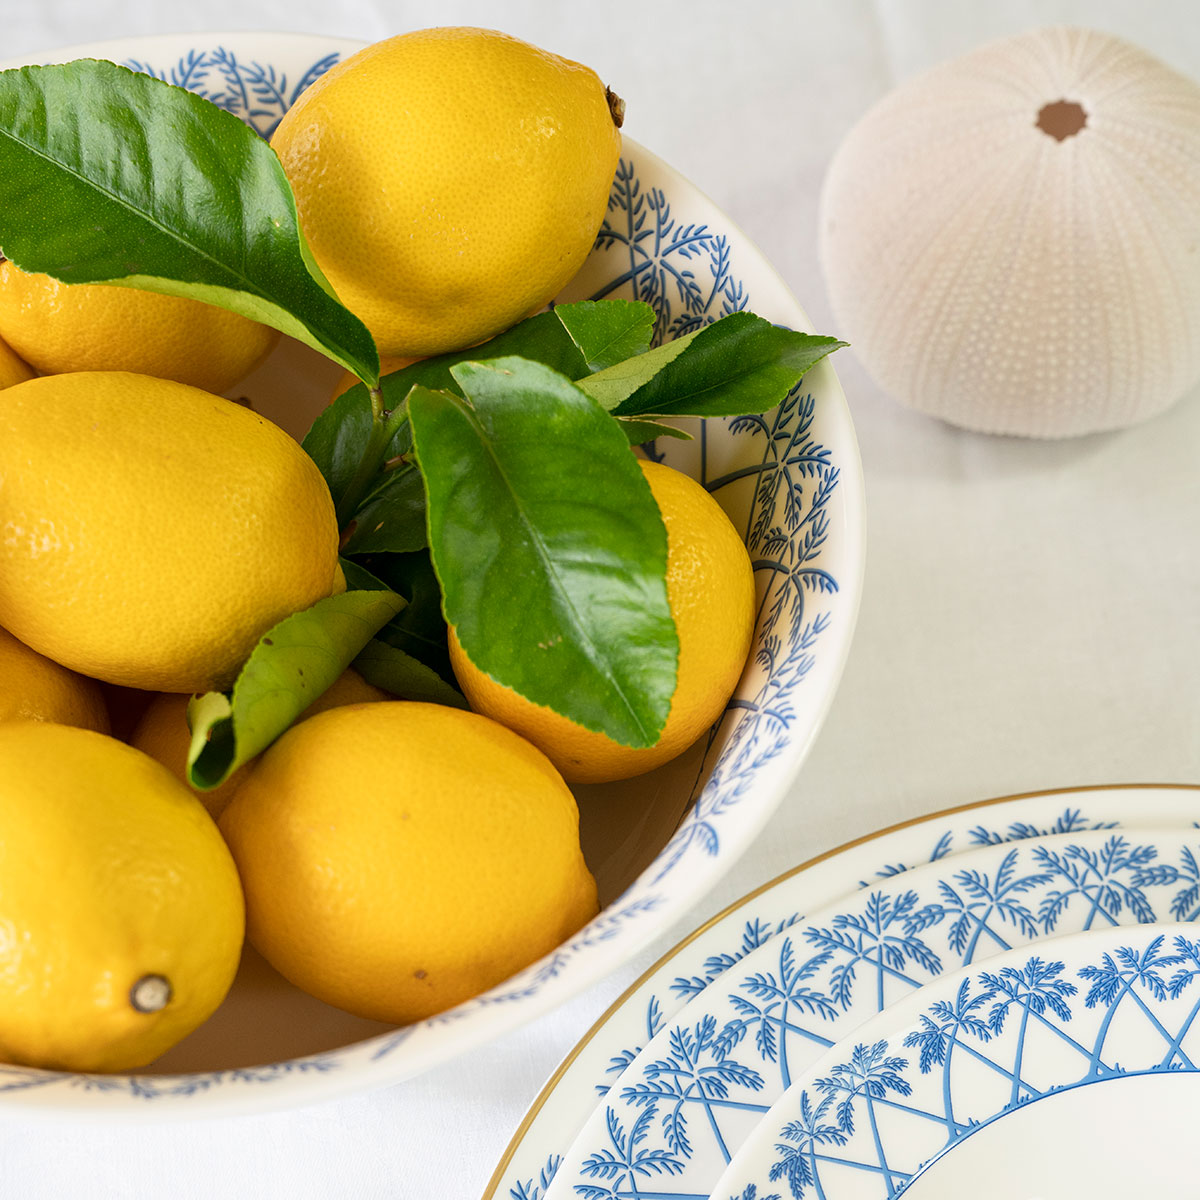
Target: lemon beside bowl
(790,480)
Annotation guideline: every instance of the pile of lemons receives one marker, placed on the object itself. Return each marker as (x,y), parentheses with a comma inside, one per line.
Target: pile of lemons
(391,857)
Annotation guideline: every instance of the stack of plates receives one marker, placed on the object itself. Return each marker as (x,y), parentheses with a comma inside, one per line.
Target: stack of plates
(930,1009)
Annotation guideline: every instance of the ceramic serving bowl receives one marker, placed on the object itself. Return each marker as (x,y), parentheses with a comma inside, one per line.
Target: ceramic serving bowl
(790,480)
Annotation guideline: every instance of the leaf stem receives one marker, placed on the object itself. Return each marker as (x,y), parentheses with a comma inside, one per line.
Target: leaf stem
(384,427)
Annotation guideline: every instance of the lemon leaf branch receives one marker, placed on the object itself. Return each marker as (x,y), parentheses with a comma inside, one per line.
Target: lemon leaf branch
(736,366)
(109,176)
(608,331)
(364,429)
(548,544)
(388,438)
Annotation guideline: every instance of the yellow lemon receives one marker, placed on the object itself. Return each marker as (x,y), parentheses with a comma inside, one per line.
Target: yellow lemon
(58,327)
(32,688)
(339,580)
(13,368)
(399,858)
(163,732)
(710,588)
(120,906)
(450,181)
(150,532)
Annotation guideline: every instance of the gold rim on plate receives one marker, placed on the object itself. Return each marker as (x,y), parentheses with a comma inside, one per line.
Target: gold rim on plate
(552,1083)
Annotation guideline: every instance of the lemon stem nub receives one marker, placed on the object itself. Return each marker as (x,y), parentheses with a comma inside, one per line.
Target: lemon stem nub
(151,993)
(616,106)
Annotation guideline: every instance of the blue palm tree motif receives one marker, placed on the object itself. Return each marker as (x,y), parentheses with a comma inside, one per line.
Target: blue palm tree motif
(618,1169)
(661,255)
(698,1072)
(257,94)
(1186,904)
(941,848)
(796,475)
(755,933)
(1189,954)
(778,996)
(876,938)
(978,899)
(786,663)
(1113,981)
(751,1193)
(942,1029)
(1071,821)
(537,1191)
(618,1062)
(1033,989)
(1107,879)
(798,1163)
(869,1075)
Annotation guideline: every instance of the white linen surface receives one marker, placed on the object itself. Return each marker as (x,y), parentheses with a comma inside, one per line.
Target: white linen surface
(1031,617)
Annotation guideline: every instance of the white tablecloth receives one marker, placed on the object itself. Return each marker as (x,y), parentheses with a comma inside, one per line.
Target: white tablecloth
(1031,617)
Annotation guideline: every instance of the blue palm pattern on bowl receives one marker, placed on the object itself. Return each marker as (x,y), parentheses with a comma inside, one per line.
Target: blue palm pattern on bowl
(258,93)
(1037,1026)
(795,987)
(661,256)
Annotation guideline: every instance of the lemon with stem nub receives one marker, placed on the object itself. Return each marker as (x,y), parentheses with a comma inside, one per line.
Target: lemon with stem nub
(401,857)
(450,181)
(120,904)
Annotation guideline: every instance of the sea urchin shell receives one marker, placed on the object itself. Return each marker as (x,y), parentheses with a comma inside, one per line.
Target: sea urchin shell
(1012,240)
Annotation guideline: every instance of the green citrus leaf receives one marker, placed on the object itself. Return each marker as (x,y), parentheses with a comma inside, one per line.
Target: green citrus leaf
(614,385)
(291,666)
(109,176)
(336,439)
(353,455)
(359,579)
(740,364)
(541,338)
(391,669)
(549,547)
(392,517)
(637,431)
(607,331)
(419,629)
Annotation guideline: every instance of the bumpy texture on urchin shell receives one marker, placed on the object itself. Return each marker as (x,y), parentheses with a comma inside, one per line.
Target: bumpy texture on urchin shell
(1010,282)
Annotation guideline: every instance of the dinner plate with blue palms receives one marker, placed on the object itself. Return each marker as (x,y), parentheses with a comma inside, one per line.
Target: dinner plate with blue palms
(1070,1069)
(699,1088)
(596,1068)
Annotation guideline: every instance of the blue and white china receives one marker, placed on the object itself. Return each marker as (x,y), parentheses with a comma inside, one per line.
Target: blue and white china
(697,1090)
(696,980)
(792,482)
(1038,1074)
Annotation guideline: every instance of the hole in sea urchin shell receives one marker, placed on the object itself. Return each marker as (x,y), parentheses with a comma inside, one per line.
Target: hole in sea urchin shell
(1061,119)
(151,993)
